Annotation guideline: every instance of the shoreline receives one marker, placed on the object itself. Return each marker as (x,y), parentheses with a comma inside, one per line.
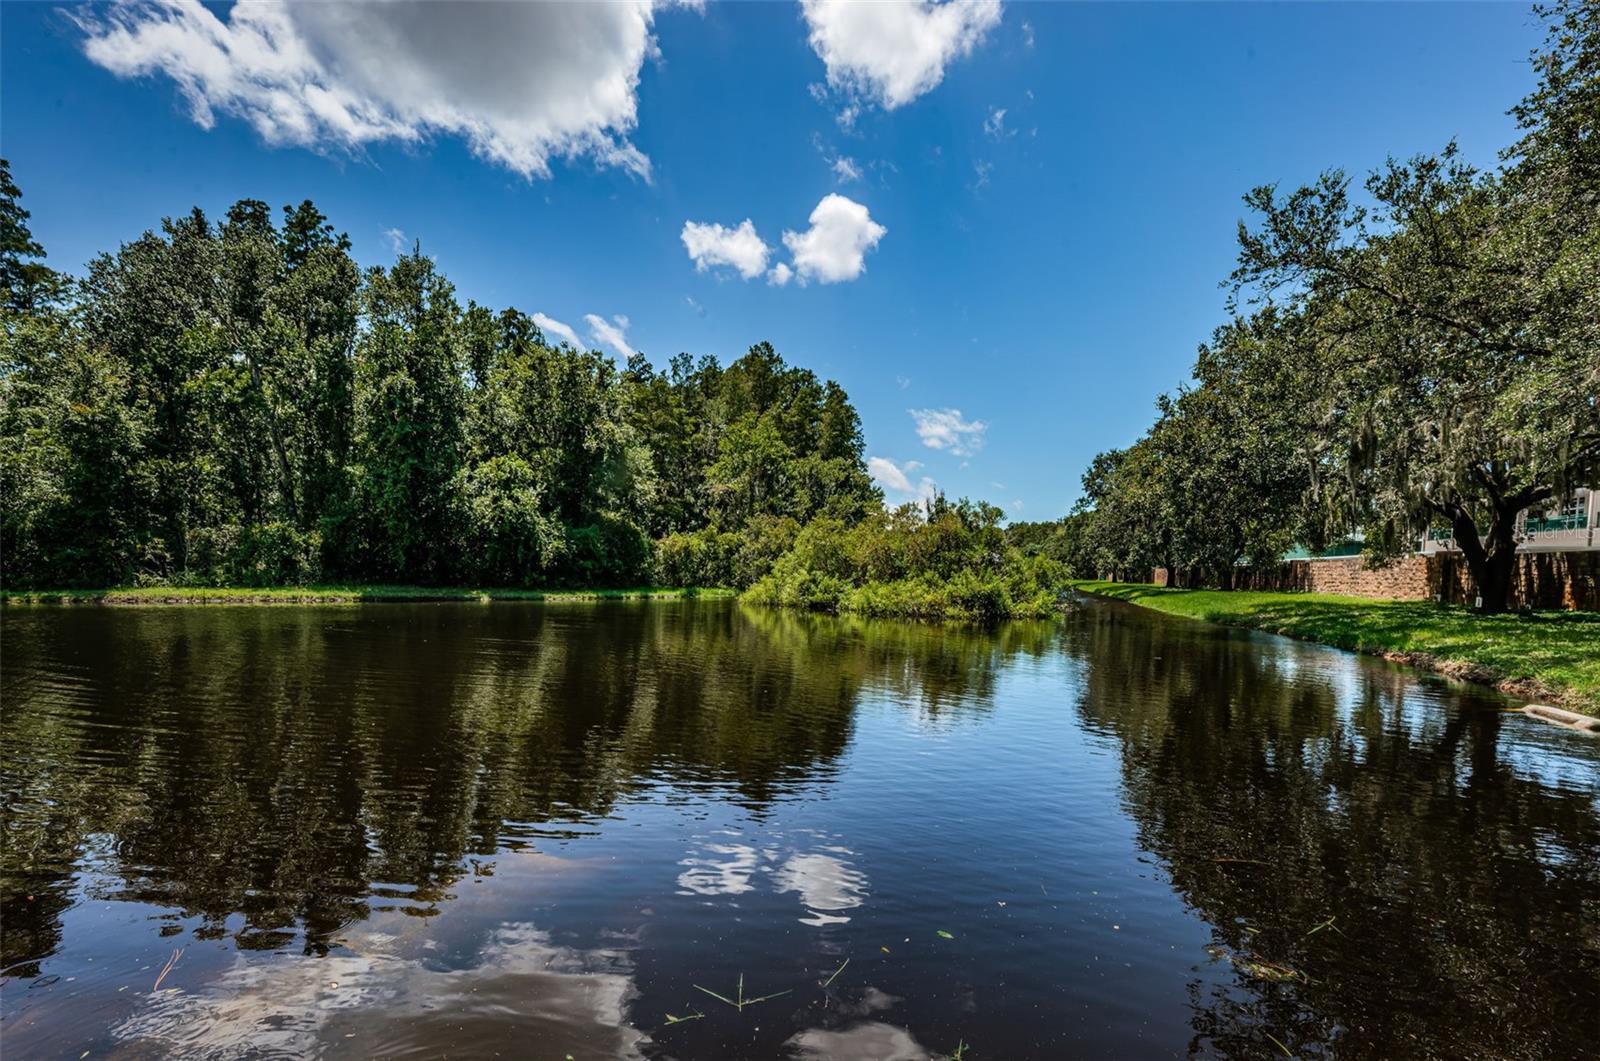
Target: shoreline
(157,596)
(1348,623)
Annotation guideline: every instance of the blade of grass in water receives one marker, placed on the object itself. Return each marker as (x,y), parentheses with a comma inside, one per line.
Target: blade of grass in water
(740,1002)
(829,981)
(1318,928)
(716,996)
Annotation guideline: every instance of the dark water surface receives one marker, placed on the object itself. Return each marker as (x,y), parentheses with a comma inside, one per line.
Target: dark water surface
(532,830)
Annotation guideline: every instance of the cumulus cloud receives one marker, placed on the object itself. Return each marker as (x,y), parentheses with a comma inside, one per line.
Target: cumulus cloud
(835,247)
(832,250)
(520,83)
(893,51)
(552,327)
(895,480)
(944,429)
(711,245)
(612,333)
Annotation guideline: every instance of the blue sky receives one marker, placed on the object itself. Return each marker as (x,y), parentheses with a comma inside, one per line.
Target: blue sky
(1001,297)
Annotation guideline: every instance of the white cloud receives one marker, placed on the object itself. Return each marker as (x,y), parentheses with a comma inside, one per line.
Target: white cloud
(700,311)
(903,381)
(944,429)
(895,480)
(846,170)
(520,83)
(893,51)
(710,245)
(834,248)
(612,333)
(396,238)
(1027,34)
(552,327)
(995,123)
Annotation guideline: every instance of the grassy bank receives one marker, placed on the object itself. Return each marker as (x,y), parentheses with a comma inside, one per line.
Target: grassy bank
(337,595)
(1549,656)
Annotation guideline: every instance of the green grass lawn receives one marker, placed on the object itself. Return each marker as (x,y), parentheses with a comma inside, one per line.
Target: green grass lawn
(1548,655)
(344,594)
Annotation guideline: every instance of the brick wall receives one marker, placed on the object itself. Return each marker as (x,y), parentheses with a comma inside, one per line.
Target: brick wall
(1542,580)
(1405,579)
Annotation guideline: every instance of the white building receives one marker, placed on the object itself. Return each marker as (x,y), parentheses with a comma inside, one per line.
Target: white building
(1559,528)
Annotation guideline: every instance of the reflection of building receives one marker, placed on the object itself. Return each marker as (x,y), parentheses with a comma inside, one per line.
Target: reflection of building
(1564,527)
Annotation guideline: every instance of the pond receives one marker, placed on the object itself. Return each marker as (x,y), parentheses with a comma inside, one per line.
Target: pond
(594,829)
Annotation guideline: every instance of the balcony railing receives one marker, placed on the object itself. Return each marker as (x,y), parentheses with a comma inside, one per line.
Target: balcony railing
(1544,524)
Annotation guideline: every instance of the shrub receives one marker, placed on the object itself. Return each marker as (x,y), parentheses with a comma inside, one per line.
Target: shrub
(943,561)
(256,555)
(700,558)
(610,551)
(513,541)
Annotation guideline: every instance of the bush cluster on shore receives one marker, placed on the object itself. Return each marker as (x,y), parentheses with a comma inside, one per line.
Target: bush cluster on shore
(945,560)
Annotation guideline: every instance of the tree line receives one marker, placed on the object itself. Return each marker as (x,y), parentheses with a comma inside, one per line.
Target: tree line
(237,402)
(1419,355)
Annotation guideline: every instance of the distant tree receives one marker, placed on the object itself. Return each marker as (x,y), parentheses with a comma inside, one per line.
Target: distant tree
(1234,449)
(26,283)
(411,417)
(1064,541)
(1129,500)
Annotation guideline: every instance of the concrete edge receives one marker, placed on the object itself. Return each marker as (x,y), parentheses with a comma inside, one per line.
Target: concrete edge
(1560,716)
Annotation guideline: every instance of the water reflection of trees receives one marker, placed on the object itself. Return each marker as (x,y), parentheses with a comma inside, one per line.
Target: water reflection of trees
(1280,794)
(301,766)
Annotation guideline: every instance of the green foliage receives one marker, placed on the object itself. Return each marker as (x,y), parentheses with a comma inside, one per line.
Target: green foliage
(267,554)
(237,404)
(939,561)
(1063,540)
(1419,353)
(25,284)
(514,538)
